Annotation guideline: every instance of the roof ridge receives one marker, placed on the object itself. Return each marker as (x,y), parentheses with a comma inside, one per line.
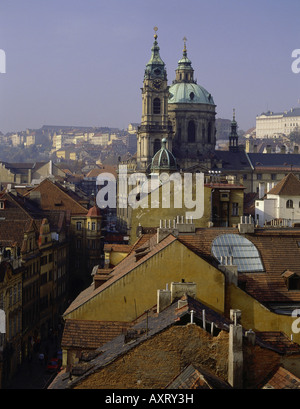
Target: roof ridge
(154,250)
(280,187)
(19,205)
(57,187)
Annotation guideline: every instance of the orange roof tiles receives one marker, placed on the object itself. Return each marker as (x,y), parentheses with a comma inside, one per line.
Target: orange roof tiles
(55,197)
(90,335)
(122,248)
(282,379)
(192,378)
(288,186)
(103,169)
(94,212)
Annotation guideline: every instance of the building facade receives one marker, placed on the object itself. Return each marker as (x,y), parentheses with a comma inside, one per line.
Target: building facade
(272,125)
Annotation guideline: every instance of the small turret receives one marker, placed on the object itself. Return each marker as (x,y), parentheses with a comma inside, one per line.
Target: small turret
(233,136)
(163,160)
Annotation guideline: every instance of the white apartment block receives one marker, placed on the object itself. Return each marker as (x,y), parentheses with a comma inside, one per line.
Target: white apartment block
(281,203)
(273,125)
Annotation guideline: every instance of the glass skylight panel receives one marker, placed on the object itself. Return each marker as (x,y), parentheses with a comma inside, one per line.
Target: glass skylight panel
(244,253)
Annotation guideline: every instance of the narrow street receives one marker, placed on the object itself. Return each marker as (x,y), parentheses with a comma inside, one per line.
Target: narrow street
(33,374)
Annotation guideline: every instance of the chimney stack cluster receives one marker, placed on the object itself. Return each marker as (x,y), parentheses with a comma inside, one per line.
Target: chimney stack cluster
(246,225)
(175,226)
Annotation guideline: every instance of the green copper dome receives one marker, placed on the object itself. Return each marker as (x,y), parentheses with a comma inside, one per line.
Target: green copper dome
(189,93)
(163,159)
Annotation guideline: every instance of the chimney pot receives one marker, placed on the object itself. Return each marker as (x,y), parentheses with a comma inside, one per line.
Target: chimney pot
(251,336)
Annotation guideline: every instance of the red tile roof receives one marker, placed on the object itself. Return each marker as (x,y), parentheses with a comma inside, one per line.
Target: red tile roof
(94,212)
(103,169)
(288,186)
(282,379)
(90,335)
(121,248)
(55,197)
(192,378)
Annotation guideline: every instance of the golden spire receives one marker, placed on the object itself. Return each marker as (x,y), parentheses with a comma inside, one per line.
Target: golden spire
(184,44)
(155,29)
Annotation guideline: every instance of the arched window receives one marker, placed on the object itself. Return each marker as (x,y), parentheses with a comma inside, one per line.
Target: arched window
(289,204)
(156,106)
(243,252)
(191,131)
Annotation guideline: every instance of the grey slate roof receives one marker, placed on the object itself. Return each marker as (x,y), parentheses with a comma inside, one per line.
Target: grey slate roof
(274,159)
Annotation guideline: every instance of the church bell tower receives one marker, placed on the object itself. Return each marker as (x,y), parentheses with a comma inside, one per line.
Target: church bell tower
(154,123)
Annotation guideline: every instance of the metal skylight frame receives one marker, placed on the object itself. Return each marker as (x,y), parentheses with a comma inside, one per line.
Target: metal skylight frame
(243,252)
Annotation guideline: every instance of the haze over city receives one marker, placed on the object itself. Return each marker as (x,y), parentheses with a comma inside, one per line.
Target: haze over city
(81,63)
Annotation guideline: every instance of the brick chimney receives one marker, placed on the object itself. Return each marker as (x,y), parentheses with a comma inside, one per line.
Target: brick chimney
(235,353)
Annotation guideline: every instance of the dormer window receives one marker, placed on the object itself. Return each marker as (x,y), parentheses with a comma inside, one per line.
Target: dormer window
(292,280)
(294,283)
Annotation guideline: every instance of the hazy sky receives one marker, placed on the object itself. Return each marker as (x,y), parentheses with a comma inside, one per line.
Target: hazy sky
(81,62)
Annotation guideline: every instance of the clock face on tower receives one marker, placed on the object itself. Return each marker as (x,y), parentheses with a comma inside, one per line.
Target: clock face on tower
(156,84)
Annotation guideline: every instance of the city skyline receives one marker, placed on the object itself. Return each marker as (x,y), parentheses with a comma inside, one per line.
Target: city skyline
(81,63)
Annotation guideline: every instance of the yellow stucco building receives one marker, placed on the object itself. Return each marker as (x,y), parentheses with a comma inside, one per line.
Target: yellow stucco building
(187,254)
